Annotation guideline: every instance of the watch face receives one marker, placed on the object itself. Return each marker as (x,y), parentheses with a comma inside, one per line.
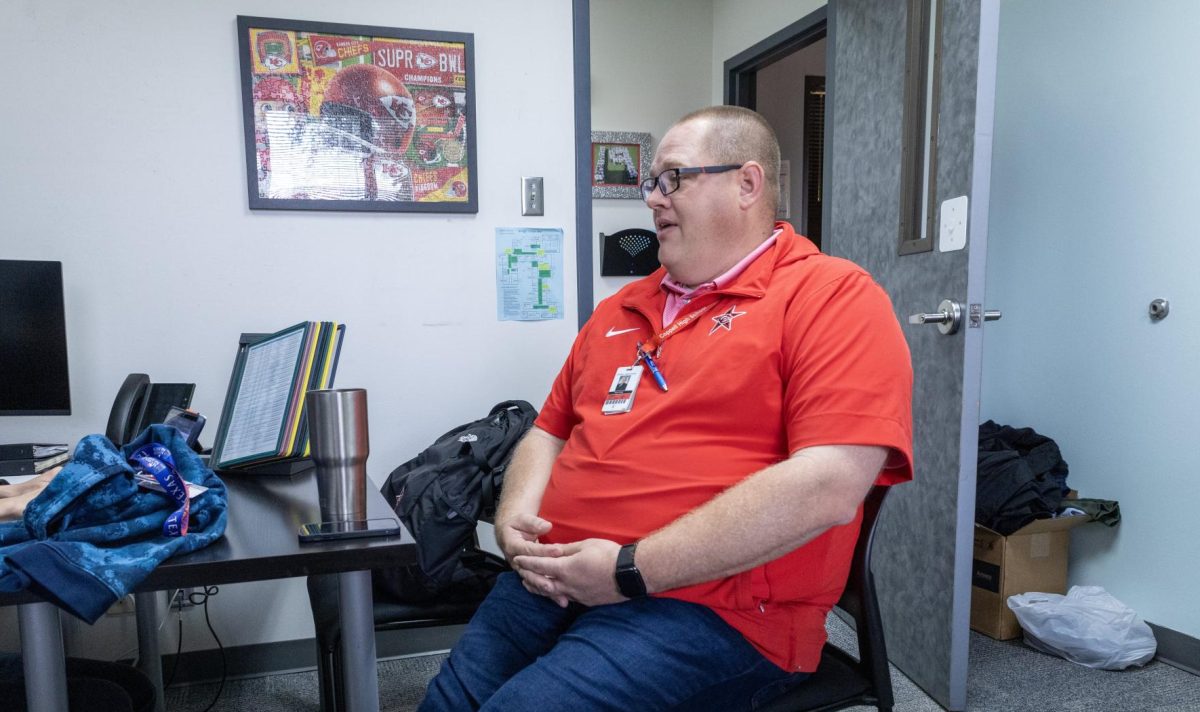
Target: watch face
(629,579)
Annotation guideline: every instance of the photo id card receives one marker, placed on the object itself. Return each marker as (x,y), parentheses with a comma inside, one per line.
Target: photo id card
(623,389)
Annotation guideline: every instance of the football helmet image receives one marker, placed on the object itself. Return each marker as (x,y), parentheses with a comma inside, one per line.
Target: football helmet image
(373,104)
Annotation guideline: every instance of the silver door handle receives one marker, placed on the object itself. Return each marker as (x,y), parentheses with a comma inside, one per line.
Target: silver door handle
(947,317)
(938,318)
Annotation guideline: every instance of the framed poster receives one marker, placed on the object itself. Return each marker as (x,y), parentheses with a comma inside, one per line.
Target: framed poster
(354,117)
(620,160)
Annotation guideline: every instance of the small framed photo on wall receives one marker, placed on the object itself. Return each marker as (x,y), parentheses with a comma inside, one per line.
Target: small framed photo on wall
(620,161)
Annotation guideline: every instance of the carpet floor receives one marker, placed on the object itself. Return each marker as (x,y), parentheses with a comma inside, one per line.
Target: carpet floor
(1005,676)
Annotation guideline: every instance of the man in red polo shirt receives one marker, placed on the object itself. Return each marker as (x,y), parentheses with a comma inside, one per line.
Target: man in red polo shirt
(682,515)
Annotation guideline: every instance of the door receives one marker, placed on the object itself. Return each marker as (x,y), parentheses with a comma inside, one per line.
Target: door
(922,557)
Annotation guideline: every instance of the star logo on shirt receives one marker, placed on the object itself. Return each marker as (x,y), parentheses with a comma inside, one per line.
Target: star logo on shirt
(725,320)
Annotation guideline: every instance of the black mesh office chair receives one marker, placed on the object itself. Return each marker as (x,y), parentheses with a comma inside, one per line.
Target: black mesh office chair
(841,681)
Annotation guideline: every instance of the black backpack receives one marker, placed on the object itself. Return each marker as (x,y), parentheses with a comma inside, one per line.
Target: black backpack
(440,495)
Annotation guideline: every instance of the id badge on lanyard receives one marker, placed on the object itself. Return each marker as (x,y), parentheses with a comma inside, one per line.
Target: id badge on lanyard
(622,391)
(625,382)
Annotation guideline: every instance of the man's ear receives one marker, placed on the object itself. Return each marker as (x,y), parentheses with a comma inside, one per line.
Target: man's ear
(751,184)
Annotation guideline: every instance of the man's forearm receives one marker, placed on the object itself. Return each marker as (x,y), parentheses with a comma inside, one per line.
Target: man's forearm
(528,474)
(765,516)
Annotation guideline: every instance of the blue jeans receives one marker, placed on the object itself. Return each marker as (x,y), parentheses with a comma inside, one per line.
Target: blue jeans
(522,652)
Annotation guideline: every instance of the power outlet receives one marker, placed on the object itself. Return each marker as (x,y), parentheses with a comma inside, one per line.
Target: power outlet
(123,607)
(184,598)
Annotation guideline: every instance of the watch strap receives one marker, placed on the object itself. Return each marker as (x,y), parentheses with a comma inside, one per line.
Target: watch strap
(629,578)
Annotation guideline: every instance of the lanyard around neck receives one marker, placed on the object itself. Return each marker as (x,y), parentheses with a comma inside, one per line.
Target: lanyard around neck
(654,345)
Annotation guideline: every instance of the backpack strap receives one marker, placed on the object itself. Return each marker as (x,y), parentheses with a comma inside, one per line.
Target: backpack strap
(487,496)
(526,413)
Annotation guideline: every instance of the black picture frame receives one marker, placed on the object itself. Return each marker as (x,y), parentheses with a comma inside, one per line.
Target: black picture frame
(322,134)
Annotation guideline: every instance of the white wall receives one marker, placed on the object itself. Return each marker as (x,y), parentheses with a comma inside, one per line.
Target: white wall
(649,67)
(654,61)
(1095,168)
(122,155)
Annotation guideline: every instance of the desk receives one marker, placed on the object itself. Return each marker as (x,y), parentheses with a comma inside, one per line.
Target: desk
(260,543)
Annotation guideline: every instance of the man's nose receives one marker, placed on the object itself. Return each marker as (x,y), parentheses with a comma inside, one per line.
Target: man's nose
(656,199)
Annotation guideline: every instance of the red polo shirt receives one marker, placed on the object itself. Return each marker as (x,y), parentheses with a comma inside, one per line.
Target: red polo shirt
(800,349)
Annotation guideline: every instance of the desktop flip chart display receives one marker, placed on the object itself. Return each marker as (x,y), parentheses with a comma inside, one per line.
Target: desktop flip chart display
(263,417)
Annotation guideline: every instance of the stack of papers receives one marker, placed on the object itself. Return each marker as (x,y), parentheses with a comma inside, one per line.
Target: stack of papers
(42,451)
(263,418)
(30,458)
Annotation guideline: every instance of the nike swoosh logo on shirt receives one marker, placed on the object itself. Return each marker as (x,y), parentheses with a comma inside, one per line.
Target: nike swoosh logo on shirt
(614,332)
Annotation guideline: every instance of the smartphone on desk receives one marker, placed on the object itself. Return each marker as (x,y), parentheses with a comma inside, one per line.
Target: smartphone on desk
(353,529)
(188,422)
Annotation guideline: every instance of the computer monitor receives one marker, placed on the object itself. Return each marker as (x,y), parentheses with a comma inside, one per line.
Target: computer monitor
(33,339)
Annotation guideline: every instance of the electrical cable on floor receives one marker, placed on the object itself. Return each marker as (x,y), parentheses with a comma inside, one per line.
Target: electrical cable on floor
(196,599)
(134,654)
(179,648)
(178,651)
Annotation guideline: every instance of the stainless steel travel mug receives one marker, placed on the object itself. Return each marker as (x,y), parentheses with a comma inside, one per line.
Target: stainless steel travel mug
(337,427)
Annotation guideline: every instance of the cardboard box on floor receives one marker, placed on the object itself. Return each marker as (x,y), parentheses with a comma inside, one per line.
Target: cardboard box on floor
(1033,558)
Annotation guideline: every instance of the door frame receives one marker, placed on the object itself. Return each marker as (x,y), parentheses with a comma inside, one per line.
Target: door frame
(582,49)
(741,70)
(741,74)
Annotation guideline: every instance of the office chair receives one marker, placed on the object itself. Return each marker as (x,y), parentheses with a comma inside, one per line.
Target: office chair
(841,681)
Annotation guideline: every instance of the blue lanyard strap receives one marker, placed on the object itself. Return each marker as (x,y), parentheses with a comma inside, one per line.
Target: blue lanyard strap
(158,461)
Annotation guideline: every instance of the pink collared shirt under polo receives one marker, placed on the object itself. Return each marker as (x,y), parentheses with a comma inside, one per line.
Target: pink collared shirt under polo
(679,296)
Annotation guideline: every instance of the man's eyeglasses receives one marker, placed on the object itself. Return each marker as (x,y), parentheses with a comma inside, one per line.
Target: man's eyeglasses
(668,180)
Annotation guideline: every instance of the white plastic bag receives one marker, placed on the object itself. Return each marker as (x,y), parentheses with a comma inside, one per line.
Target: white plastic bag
(1087,626)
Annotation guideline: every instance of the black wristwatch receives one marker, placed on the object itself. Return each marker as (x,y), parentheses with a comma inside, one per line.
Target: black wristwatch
(629,579)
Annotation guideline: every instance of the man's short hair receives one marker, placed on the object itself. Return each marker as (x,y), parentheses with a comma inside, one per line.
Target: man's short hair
(736,135)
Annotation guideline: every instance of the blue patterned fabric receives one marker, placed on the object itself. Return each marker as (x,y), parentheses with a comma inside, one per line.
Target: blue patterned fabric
(93,534)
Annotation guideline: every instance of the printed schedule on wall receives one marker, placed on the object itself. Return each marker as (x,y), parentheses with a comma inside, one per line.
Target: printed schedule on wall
(529,282)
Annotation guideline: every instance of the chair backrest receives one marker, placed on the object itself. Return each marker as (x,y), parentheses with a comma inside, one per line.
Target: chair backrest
(860,601)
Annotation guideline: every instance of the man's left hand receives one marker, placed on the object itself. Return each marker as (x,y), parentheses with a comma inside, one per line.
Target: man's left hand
(584,573)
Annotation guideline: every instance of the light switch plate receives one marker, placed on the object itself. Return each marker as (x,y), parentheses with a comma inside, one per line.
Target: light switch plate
(952,233)
(531,196)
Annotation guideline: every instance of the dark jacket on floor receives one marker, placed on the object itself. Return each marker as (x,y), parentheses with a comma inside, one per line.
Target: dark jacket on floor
(1021,477)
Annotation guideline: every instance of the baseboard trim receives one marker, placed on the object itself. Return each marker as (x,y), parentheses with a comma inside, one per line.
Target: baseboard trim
(261,659)
(1177,649)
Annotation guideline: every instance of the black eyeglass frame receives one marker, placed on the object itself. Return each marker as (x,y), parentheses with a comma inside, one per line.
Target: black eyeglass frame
(647,186)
